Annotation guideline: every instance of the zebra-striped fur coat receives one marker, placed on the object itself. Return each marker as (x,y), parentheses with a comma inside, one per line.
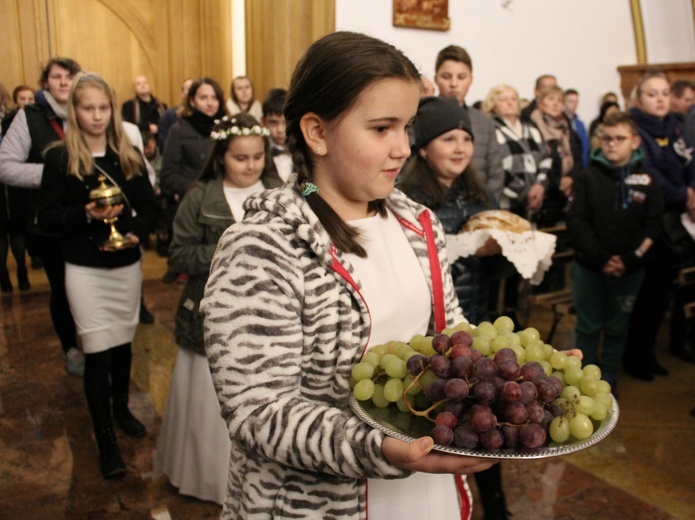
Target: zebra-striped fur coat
(284,323)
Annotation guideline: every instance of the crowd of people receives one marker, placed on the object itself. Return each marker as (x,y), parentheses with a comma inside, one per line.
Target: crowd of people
(311,224)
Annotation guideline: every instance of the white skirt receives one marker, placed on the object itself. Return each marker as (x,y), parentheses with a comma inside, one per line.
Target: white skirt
(105,304)
(422,496)
(193,448)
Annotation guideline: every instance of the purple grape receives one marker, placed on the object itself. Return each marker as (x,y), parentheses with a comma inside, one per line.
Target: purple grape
(447,419)
(529,394)
(505,354)
(492,439)
(508,369)
(510,391)
(458,351)
(483,420)
(557,383)
(435,390)
(442,435)
(456,389)
(531,371)
(458,408)
(475,355)
(515,413)
(462,367)
(555,410)
(498,382)
(416,364)
(441,343)
(440,365)
(485,392)
(485,369)
(546,390)
(547,419)
(511,436)
(461,338)
(532,436)
(536,413)
(465,437)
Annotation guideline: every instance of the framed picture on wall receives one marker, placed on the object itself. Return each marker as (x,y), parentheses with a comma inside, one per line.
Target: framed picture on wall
(422,14)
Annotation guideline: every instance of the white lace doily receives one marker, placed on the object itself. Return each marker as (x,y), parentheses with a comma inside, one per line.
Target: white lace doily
(531,251)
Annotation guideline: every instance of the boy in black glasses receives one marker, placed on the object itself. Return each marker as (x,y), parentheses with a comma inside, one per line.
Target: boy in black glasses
(614,220)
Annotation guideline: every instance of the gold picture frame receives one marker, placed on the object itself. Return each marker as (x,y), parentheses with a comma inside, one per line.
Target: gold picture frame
(422,14)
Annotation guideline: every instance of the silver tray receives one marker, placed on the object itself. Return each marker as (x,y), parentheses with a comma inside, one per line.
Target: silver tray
(407,427)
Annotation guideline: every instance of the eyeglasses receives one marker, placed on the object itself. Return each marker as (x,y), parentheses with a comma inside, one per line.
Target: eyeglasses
(617,139)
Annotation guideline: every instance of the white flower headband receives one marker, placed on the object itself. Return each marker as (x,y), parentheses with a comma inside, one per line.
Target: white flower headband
(224,133)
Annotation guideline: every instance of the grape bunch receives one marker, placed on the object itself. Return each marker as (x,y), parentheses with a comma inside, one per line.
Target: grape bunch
(486,387)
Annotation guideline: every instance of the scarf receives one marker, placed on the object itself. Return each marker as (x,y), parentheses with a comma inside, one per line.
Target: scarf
(556,129)
(203,123)
(57,109)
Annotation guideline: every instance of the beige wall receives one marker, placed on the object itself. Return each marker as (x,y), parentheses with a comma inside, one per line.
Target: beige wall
(166,40)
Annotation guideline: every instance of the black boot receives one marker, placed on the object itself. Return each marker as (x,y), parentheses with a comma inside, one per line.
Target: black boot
(110,462)
(5,283)
(23,279)
(125,420)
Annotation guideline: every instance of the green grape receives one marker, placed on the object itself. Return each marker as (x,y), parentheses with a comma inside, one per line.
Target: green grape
(570,393)
(585,405)
(581,426)
(403,350)
(559,374)
(558,360)
(482,344)
(548,350)
(352,382)
(464,325)
(573,361)
(427,377)
(589,385)
(547,367)
(362,371)
(378,397)
(559,429)
(426,348)
(394,366)
(528,336)
(402,406)
(592,371)
(573,375)
(534,352)
(604,399)
(603,387)
(393,390)
(416,341)
(449,331)
(504,323)
(372,358)
(411,354)
(599,413)
(562,403)
(412,390)
(513,338)
(520,353)
(498,343)
(485,329)
(364,389)
(379,350)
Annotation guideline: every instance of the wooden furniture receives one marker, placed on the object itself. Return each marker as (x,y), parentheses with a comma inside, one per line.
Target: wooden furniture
(560,302)
(630,74)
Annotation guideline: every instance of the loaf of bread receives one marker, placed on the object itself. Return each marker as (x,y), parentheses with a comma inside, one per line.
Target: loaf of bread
(497,219)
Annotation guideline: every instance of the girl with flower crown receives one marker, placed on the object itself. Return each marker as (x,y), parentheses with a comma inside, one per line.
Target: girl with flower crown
(193,448)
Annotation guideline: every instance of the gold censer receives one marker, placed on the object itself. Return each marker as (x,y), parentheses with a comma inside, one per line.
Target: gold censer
(109,196)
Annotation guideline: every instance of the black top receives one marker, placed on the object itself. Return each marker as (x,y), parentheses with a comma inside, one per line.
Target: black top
(63,197)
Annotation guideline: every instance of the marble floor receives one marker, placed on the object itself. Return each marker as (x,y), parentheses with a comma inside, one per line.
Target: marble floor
(644,470)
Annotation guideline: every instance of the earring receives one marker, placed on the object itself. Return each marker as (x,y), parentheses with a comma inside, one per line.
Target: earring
(319,150)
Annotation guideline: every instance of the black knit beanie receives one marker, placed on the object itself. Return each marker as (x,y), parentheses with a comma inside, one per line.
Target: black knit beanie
(436,116)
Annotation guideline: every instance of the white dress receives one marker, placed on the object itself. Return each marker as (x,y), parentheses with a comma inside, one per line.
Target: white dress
(193,448)
(391,267)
